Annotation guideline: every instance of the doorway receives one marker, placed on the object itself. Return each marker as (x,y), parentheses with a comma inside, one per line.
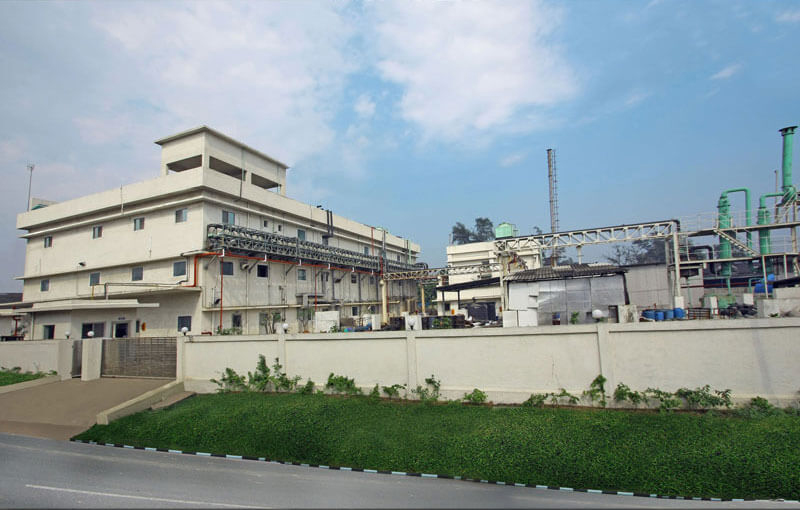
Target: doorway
(121,329)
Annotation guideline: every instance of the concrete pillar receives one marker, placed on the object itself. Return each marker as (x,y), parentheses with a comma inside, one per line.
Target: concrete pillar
(384,302)
(65,359)
(180,363)
(282,350)
(422,298)
(92,357)
(411,360)
(605,357)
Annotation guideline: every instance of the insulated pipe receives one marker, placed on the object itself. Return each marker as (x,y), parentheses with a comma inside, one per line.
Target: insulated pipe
(787,187)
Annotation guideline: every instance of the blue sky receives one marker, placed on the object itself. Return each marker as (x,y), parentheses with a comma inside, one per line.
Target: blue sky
(408,115)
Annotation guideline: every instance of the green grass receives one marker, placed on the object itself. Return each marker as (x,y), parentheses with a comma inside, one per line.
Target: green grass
(682,454)
(15,376)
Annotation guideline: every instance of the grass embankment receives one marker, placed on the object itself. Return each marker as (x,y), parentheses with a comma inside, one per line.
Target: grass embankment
(667,454)
(15,376)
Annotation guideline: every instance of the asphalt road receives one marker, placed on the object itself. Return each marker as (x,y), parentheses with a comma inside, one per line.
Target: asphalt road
(45,473)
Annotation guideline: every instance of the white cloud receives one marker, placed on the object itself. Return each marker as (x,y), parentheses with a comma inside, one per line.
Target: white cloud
(789,16)
(636,97)
(364,107)
(491,63)
(269,73)
(512,159)
(727,72)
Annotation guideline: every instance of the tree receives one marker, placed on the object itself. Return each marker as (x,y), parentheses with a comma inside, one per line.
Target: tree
(484,231)
(641,251)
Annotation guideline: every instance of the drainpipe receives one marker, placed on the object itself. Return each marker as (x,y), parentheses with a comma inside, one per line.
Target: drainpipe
(221,283)
(788,189)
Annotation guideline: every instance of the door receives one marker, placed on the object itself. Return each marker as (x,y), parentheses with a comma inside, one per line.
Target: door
(121,330)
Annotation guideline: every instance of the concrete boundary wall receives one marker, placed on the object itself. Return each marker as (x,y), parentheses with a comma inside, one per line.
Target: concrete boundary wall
(38,356)
(751,357)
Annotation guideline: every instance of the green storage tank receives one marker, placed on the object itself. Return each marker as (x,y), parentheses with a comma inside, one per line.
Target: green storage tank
(504,230)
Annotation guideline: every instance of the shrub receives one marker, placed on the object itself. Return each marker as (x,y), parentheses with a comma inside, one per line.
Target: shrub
(701,398)
(342,384)
(476,397)
(307,388)
(536,400)
(667,401)
(280,379)
(230,381)
(393,390)
(623,393)
(571,399)
(430,393)
(597,390)
(375,394)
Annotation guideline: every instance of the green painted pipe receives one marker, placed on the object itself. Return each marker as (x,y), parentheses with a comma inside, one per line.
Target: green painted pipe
(764,243)
(724,222)
(747,211)
(787,133)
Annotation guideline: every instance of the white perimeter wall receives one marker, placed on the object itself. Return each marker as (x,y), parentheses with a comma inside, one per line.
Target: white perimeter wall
(38,356)
(751,357)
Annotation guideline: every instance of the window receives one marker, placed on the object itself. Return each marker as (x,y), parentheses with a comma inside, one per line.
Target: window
(94,279)
(354,311)
(181,215)
(301,274)
(366,250)
(137,273)
(325,241)
(262,271)
(398,257)
(184,321)
(236,320)
(48,241)
(227,268)
(301,234)
(48,331)
(353,278)
(179,268)
(372,280)
(279,228)
(97,232)
(266,223)
(99,329)
(138,223)
(44,285)
(228,218)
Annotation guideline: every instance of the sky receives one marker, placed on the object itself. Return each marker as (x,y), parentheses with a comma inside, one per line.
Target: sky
(408,115)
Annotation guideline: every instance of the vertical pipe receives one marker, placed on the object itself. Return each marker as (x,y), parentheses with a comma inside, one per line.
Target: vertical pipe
(221,283)
(786,160)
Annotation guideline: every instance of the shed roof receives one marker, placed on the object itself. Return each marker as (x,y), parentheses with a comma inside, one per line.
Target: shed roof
(564,272)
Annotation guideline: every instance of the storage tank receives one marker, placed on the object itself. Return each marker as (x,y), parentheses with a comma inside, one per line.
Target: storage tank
(505,230)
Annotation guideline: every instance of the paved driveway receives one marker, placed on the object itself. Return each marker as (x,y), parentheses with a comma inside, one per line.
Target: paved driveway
(62,409)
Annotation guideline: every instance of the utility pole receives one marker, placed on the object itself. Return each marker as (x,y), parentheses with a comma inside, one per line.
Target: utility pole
(30,182)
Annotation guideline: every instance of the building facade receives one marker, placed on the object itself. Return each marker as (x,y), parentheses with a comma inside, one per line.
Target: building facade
(211,244)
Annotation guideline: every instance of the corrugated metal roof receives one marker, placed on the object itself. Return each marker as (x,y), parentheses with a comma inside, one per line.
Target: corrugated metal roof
(563,272)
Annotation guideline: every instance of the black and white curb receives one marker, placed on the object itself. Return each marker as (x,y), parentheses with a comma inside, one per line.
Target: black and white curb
(422,475)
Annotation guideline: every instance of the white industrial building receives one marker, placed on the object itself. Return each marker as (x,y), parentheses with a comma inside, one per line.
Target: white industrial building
(211,244)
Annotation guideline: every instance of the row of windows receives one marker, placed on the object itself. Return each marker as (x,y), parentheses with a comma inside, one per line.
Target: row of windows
(138,224)
(179,269)
(121,329)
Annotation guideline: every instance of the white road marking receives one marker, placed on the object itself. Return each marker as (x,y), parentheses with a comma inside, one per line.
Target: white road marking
(113,495)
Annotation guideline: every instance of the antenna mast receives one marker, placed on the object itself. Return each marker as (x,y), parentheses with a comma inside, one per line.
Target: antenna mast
(30,182)
(553,180)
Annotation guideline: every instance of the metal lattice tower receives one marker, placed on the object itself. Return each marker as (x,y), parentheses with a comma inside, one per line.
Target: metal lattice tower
(552,178)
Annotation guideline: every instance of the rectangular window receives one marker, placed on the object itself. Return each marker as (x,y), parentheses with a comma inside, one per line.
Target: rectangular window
(227,268)
(94,279)
(353,278)
(301,234)
(48,331)
(44,285)
(372,280)
(301,274)
(137,274)
(228,218)
(48,241)
(398,257)
(138,223)
(325,241)
(236,320)
(355,311)
(98,329)
(266,223)
(181,215)
(179,268)
(185,321)
(366,250)
(279,228)
(97,232)
(262,271)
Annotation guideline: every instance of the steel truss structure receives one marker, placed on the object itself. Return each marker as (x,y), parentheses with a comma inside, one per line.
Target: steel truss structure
(256,242)
(540,242)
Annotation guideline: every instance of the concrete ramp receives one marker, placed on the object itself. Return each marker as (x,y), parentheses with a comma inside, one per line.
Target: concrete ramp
(62,409)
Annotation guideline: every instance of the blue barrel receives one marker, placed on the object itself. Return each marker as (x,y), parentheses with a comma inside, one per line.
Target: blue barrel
(659,315)
(680,313)
(649,314)
(669,314)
